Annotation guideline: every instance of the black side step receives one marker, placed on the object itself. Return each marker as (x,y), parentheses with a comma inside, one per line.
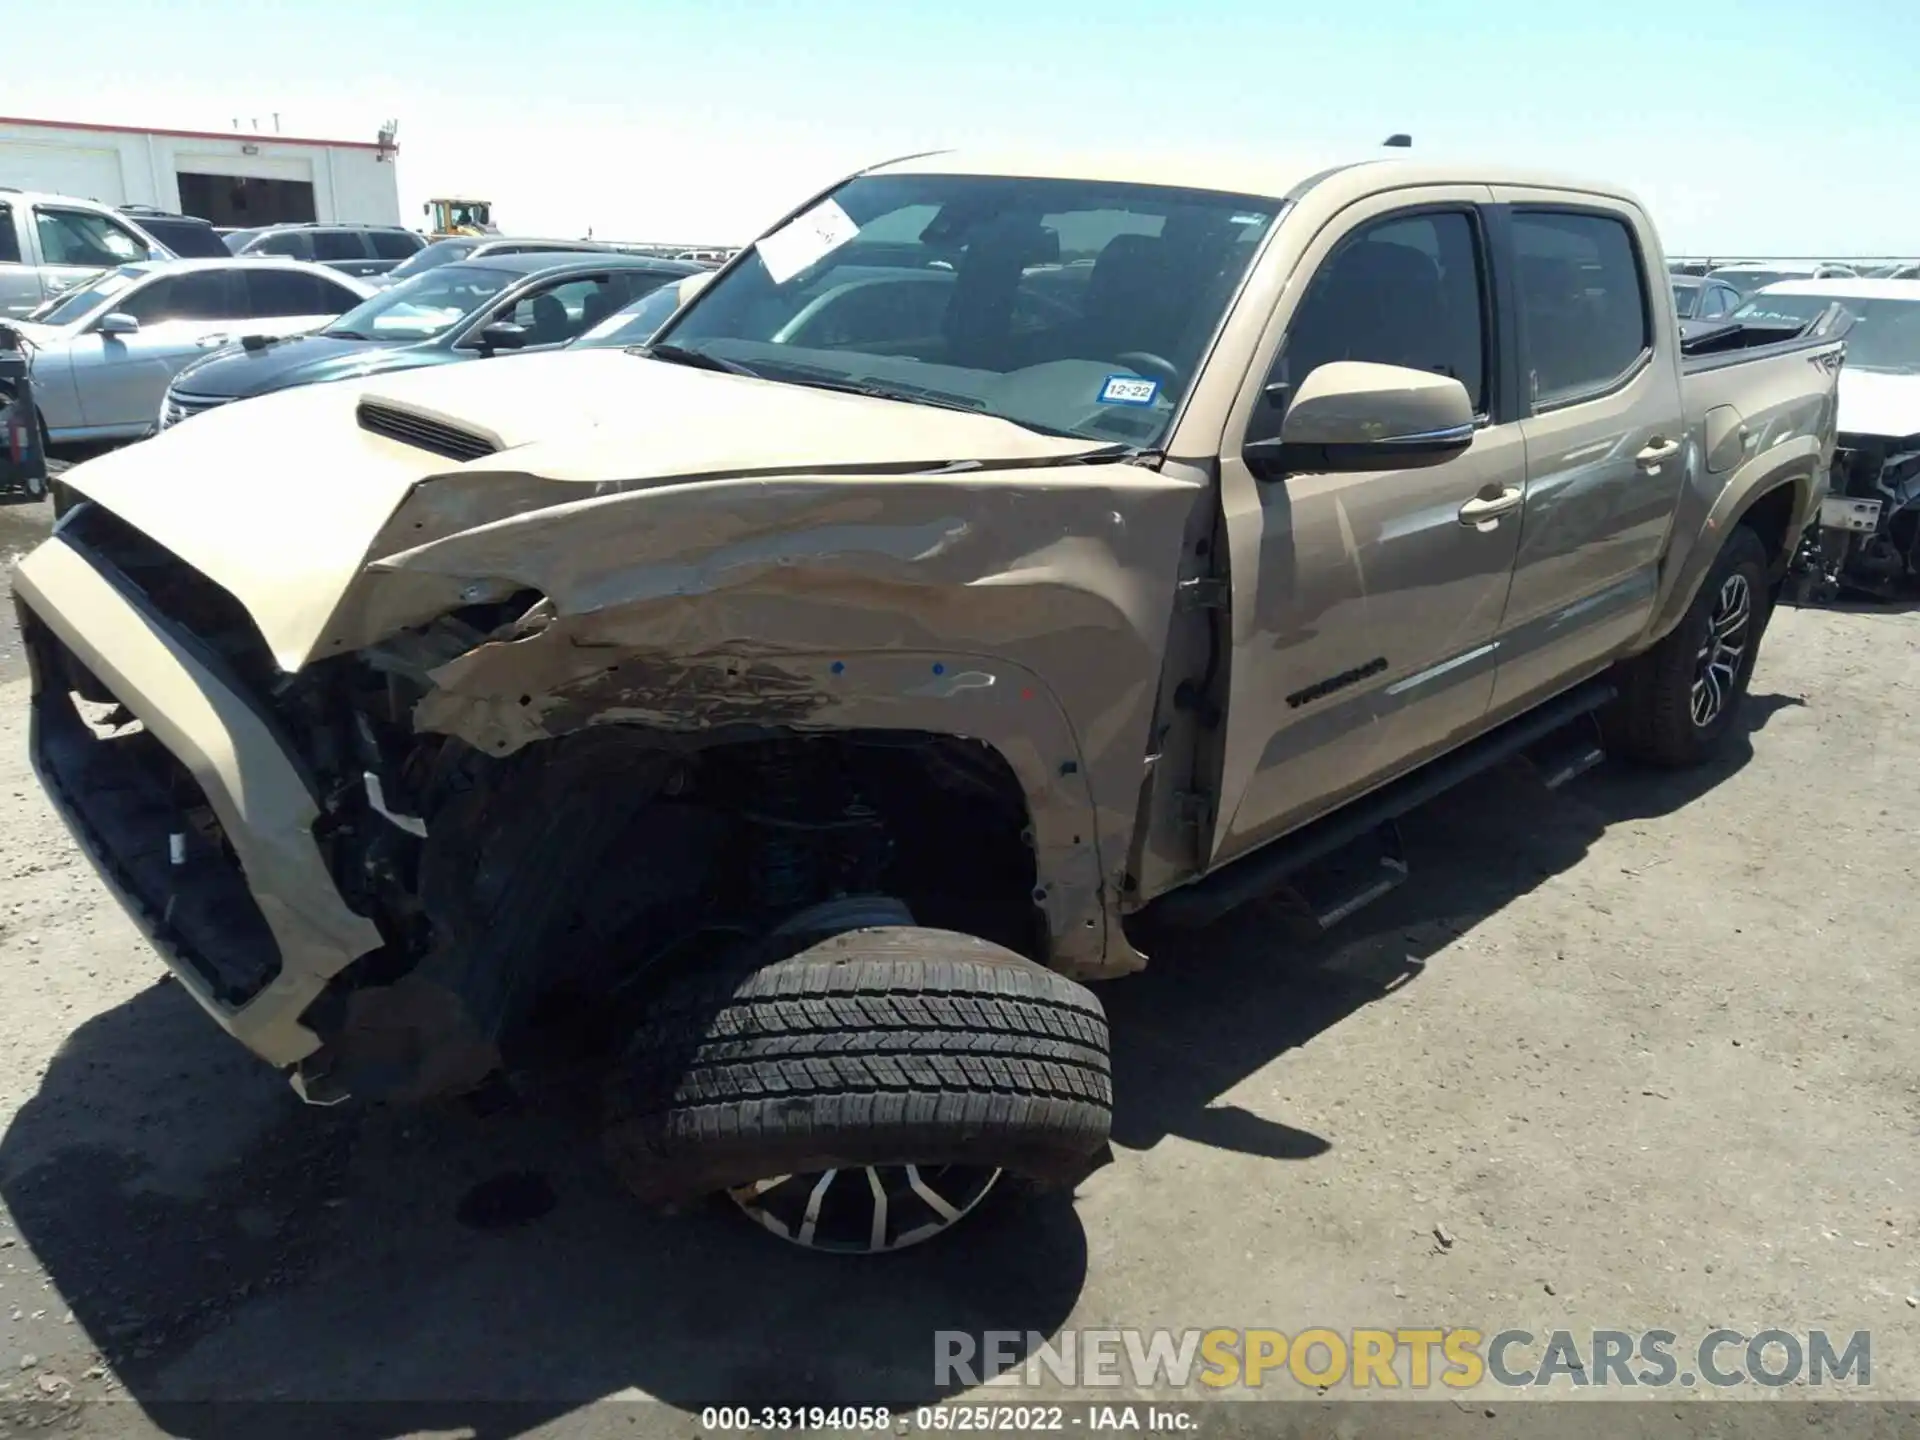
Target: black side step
(1360,872)
(1569,752)
(1207,899)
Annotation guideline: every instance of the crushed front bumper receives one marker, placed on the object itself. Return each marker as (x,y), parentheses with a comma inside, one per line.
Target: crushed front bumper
(199,819)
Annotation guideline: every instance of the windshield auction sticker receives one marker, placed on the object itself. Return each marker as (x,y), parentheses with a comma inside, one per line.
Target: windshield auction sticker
(804,239)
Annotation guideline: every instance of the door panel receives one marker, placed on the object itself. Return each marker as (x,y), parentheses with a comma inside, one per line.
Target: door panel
(19,274)
(1364,606)
(1606,446)
(122,378)
(1371,576)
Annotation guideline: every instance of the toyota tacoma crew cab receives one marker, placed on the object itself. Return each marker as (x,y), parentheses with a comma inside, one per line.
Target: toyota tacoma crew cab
(789,717)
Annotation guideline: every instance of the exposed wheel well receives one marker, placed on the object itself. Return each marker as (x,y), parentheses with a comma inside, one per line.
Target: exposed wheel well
(1769,517)
(596,866)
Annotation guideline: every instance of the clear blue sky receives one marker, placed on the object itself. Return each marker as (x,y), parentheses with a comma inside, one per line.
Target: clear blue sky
(1762,126)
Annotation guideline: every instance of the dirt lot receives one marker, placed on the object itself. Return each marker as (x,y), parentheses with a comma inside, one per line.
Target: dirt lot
(1643,1050)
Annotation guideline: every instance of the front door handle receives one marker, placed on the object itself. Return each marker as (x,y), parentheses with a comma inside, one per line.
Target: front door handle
(1484,511)
(1656,452)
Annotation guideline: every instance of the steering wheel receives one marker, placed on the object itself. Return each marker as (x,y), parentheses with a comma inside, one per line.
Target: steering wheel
(1153,364)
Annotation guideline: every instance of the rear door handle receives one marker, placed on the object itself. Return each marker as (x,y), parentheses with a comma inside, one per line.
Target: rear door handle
(1659,450)
(1486,510)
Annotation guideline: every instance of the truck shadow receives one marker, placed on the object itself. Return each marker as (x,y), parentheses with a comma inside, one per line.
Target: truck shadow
(1217,1005)
(220,1243)
(227,1249)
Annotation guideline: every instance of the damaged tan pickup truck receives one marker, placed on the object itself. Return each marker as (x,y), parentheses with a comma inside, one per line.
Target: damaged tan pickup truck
(794,712)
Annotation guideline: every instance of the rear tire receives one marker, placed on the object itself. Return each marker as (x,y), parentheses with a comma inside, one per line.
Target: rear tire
(874,1050)
(1679,700)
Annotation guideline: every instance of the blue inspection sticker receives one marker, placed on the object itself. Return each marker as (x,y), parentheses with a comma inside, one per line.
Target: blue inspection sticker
(1128,390)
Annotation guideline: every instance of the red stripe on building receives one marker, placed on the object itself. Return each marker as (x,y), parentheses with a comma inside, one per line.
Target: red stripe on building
(251,137)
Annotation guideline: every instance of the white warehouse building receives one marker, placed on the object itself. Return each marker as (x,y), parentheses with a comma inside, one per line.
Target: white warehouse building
(232,178)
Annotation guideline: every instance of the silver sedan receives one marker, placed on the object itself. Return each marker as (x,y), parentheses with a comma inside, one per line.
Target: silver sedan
(105,351)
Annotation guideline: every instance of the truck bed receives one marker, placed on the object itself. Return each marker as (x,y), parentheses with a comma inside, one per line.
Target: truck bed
(1714,344)
(1756,368)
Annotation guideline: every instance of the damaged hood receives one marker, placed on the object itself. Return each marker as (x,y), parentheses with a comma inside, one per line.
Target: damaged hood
(1879,403)
(284,500)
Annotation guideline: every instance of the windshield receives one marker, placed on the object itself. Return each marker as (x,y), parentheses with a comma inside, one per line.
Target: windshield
(1685,298)
(441,252)
(1067,306)
(91,292)
(1885,334)
(423,307)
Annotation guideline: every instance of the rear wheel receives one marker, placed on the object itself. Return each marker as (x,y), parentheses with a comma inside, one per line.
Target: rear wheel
(865,1094)
(1681,698)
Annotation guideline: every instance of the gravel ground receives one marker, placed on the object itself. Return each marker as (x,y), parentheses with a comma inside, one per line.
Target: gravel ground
(1637,1053)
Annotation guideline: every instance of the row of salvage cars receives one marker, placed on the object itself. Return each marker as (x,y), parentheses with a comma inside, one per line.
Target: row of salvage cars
(136,348)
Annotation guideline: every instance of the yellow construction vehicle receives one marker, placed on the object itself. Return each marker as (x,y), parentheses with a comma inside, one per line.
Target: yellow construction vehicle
(453,216)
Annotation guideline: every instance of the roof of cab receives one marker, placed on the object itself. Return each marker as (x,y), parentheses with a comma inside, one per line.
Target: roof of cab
(1276,175)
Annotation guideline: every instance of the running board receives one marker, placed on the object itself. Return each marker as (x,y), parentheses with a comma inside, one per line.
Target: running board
(1226,889)
(1360,872)
(1568,753)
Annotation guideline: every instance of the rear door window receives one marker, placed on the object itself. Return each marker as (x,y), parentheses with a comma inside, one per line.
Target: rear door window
(204,295)
(295,244)
(394,244)
(9,237)
(339,245)
(1584,316)
(1404,290)
(271,294)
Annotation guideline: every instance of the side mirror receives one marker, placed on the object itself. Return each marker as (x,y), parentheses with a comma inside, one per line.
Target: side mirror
(117,323)
(503,335)
(1353,415)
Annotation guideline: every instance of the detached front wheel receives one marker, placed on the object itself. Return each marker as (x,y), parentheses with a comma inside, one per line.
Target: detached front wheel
(867,1093)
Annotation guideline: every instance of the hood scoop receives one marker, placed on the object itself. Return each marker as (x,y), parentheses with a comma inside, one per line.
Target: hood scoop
(425,432)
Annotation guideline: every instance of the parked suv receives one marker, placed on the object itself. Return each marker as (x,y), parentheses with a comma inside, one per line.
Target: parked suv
(51,242)
(187,236)
(350,249)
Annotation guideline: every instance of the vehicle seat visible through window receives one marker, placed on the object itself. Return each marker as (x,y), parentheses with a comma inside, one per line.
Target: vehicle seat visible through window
(1136,300)
(550,325)
(1559,325)
(595,308)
